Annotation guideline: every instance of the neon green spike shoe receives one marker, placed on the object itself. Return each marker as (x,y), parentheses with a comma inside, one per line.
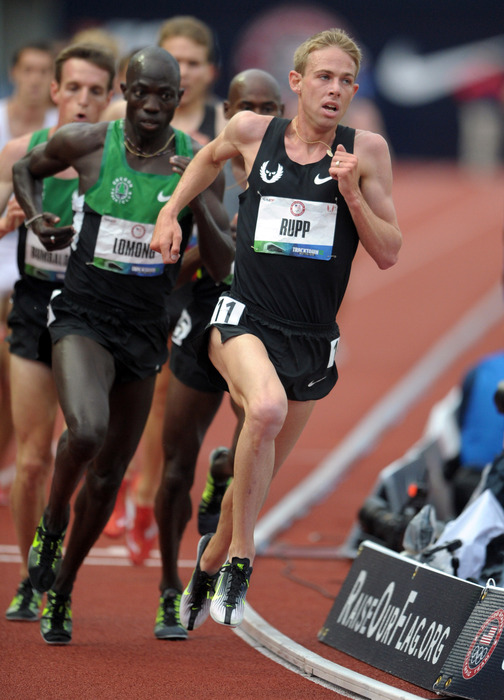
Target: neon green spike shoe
(228,604)
(56,620)
(25,605)
(168,625)
(44,557)
(196,599)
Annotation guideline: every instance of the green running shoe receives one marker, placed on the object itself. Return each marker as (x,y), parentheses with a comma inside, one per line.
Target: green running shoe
(196,599)
(25,605)
(44,557)
(211,498)
(228,604)
(168,625)
(56,620)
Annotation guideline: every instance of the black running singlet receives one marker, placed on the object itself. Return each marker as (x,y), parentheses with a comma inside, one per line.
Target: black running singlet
(296,215)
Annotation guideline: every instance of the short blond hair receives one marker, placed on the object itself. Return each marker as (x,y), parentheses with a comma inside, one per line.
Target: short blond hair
(325,39)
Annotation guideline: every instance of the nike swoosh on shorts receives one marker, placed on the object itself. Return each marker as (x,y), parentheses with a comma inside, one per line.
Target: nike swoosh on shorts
(315,381)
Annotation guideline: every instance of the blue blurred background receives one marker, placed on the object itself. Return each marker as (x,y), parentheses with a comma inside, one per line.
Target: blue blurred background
(426,60)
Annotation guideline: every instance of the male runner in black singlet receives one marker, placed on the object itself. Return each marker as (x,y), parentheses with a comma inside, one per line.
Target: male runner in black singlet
(315,189)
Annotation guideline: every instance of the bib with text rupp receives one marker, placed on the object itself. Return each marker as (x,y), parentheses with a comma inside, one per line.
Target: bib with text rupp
(295,227)
(124,247)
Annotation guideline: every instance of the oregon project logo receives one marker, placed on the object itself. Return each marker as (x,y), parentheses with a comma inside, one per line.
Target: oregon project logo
(270,175)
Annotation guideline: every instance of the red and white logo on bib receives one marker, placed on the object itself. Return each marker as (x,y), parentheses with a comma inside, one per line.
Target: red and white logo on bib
(138,231)
(297,208)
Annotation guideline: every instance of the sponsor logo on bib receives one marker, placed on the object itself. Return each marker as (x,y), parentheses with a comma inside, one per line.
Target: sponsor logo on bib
(297,208)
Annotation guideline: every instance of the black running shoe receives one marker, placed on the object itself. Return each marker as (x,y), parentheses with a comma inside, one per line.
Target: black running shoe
(168,625)
(228,603)
(44,557)
(196,599)
(211,499)
(25,605)
(56,620)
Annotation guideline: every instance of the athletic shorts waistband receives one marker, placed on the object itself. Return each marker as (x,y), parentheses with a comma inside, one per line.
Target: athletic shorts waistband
(315,329)
(108,310)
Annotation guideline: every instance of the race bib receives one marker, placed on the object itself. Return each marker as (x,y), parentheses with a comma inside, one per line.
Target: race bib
(44,264)
(124,247)
(227,311)
(182,329)
(295,227)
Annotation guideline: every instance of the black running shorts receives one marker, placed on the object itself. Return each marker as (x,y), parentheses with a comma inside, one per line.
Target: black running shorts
(27,321)
(138,344)
(303,354)
(183,355)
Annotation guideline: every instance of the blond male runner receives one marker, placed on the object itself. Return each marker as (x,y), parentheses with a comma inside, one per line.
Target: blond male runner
(315,189)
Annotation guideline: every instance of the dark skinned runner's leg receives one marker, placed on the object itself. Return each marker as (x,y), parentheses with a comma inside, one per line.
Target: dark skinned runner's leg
(104,425)
(188,416)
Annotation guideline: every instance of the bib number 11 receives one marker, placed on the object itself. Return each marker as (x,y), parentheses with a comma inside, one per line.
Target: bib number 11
(227,311)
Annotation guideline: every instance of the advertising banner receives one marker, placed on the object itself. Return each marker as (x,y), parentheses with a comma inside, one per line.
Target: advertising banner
(398,615)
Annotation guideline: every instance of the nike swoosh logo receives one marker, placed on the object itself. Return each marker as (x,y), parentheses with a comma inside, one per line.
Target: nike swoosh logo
(320,180)
(410,79)
(315,381)
(163,197)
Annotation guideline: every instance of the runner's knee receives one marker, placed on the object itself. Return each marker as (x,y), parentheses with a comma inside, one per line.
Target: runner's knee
(177,477)
(103,485)
(85,439)
(32,470)
(266,415)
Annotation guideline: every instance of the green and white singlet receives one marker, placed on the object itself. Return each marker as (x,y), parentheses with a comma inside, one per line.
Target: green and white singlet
(112,263)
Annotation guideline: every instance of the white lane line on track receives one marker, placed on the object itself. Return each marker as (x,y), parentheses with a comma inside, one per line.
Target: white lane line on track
(115,555)
(7,475)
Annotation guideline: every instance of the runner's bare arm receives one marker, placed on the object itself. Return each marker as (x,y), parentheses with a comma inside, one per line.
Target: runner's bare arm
(365,180)
(241,136)
(27,189)
(12,151)
(215,244)
(70,145)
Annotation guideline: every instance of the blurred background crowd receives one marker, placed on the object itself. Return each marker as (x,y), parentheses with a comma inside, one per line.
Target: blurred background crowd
(432,79)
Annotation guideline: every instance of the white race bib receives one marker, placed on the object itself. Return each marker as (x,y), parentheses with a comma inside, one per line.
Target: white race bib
(44,264)
(296,227)
(124,247)
(182,329)
(227,311)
